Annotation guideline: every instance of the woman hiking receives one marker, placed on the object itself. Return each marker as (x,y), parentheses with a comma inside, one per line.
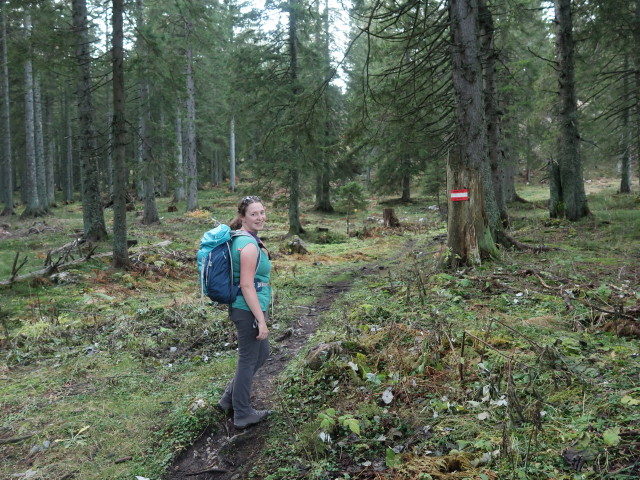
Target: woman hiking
(251,269)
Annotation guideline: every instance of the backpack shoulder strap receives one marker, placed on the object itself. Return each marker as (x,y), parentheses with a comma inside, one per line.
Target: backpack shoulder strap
(242,233)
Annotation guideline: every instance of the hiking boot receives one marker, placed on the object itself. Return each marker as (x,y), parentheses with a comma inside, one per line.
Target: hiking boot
(225,408)
(256,417)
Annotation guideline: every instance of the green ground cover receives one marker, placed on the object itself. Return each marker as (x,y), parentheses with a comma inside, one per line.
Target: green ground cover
(516,369)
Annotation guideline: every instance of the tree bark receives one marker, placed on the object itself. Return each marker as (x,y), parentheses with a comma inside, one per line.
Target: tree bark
(295,226)
(323,190)
(568,198)
(626,143)
(67,170)
(150,214)
(636,57)
(191,164)
(469,234)
(41,175)
(50,152)
(30,185)
(406,179)
(178,194)
(494,131)
(120,247)
(147,174)
(7,163)
(92,213)
(232,154)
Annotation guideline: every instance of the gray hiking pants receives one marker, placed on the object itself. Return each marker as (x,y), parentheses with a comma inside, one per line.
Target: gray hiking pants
(252,354)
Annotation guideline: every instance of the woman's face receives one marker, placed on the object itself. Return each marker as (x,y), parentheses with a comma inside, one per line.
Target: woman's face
(254,217)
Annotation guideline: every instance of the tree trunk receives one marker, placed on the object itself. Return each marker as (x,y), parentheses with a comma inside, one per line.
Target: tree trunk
(636,50)
(7,163)
(406,180)
(150,214)
(323,191)
(138,177)
(625,163)
(568,198)
(41,175)
(178,195)
(92,213)
(147,173)
(496,159)
(469,234)
(107,161)
(120,247)
(232,155)
(192,166)
(67,170)
(30,184)
(295,226)
(50,152)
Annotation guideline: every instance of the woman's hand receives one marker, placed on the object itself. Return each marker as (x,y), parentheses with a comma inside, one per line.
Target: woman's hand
(263,331)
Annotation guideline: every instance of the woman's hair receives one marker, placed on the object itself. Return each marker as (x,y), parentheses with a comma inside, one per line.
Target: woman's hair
(236,223)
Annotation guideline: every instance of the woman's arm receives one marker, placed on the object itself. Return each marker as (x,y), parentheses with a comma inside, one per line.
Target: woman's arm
(248,260)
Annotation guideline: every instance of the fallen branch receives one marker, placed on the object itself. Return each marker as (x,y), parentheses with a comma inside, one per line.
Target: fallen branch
(50,269)
(6,441)
(14,269)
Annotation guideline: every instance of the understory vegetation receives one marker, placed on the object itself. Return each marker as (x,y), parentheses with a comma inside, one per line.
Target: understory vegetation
(527,367)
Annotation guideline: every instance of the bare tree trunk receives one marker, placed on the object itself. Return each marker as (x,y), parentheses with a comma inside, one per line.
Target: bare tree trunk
(107,161)
(7,163)
(625,167)
(41,175)
(191,164)
(92,213)
(568,198)
(496,160)
(50,153)
(636,57)
(323,190)
(469,232)
(406,180)
(30,185)
(295,226)
(150,214)
(147,172)
(232,155)
(120,248)
(178,195)
(67,170)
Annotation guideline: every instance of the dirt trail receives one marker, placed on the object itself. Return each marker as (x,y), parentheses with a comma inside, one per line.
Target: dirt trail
(226,453)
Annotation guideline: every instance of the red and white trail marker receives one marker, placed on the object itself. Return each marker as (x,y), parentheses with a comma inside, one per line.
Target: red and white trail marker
(459,195)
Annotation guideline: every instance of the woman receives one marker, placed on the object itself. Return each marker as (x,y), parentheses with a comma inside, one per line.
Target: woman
(251,268)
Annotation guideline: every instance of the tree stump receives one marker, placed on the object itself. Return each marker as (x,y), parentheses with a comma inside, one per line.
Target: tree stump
(389,218)
(297,245)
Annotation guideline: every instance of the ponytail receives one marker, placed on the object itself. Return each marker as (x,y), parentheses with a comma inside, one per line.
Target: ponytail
(236,223)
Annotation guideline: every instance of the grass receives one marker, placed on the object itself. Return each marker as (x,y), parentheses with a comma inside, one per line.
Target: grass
(126,366)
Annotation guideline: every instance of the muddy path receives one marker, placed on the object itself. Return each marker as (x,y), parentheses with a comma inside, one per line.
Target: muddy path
(226,453)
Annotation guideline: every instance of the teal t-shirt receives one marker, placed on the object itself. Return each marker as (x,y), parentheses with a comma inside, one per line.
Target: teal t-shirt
(263,273)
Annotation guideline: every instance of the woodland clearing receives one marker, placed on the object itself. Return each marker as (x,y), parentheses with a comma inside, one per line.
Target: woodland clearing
(525,367)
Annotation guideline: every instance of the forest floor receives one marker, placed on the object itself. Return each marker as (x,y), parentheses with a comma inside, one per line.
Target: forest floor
(525,367)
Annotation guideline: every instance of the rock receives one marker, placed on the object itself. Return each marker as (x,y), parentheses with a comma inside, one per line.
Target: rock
(297,245)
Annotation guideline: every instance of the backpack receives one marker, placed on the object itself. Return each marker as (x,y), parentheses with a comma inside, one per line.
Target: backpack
(215,264)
